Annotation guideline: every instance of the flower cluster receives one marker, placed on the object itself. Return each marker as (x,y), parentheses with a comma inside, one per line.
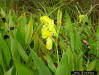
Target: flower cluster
(82,18)
(48,31)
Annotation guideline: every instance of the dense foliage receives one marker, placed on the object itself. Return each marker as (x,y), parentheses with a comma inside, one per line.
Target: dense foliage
(52,37)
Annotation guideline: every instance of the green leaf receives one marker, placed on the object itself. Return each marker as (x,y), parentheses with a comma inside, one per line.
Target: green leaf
(6,51)
(77,41)
(22,69)
(97,49)
(14,50)
(78,59)
(29,31)
(10,19)
(69,29)
(97,66)
(1,63)
(21,51)
(1,57)
(72,40)
(62,45)
(3,12)
(50,63)
(36,42)
(20,37)
(91,65)
(59,19)
(9,72)
(42,68)
(67,23)
(63,66)
(97,42)
(1,70)
(70,59)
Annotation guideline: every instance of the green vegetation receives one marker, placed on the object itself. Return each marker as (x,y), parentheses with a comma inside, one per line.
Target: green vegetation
(69,43)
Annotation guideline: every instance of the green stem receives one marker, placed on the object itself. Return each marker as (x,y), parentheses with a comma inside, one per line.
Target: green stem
(57,52)
(55,9)
(78,10)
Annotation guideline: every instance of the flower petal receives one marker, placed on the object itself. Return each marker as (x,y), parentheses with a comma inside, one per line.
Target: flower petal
(49,43)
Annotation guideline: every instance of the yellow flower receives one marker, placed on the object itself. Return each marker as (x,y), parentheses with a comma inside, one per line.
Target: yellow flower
(49,24)
(52,30)
(48,31)
(81,18)
(49,43)
(45,32)
(45,20)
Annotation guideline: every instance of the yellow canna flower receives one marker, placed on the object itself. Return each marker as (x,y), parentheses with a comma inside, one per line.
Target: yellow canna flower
(49,43)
